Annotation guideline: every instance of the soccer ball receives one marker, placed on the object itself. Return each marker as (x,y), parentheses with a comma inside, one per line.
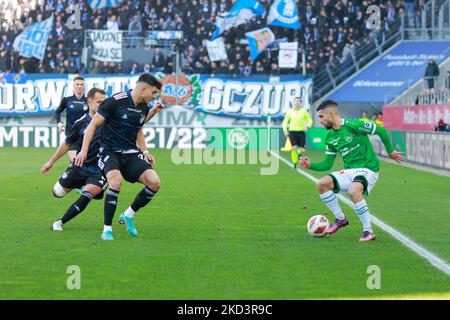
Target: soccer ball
(317,225)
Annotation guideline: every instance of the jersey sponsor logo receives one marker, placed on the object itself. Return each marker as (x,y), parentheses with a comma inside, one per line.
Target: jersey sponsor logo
(346,151)
(335,141)
(121,95)
(367,124)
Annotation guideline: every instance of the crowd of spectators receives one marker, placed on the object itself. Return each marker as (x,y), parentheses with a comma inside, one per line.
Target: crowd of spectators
(330,31)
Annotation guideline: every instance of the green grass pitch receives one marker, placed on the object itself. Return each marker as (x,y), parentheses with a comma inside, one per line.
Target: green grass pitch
(218,232)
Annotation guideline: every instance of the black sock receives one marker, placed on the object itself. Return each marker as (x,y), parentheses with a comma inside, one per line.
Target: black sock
(142,199)
(77,207)
(110,205)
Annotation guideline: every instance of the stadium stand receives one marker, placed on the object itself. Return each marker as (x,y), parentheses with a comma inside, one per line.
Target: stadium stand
(331,32)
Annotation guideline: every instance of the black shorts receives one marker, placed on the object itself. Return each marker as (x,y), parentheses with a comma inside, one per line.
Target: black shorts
(76,177)
(298,138)
(130,165)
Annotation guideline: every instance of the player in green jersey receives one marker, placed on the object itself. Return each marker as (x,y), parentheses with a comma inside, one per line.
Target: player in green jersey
(349,139)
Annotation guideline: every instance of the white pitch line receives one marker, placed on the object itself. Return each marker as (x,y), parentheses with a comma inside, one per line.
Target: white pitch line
(418,249)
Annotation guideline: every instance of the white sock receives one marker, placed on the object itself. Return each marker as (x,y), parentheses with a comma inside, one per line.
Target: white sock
(107,228)
(329,198)
(129,213)
(363,214)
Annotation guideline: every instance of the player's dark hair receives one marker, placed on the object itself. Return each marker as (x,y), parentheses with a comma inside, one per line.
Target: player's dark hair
(93,91)
(78,78)
(326,104)
(151,80)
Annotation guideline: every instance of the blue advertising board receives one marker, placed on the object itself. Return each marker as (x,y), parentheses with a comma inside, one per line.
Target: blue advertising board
(394,72)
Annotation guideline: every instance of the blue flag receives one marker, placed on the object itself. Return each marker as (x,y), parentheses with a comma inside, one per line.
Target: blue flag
(258,40)
(32,42)
(98,4)
(242,12)
(283,13)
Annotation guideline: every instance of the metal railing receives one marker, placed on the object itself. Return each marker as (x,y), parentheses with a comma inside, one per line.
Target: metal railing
(421,86)
(434,22)
(378,42)
(440,96)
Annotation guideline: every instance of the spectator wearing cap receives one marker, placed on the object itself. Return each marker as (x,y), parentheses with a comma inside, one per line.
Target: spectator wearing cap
(442,126)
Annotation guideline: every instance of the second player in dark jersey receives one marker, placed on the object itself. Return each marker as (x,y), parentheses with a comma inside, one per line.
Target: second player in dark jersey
(123,149)
(75,107)
(89,176)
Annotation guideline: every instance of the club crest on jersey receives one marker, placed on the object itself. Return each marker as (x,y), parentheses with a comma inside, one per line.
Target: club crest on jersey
(367,124)
(85,108)
(348,138)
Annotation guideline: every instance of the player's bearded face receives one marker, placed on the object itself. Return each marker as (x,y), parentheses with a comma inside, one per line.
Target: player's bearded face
(325,119)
